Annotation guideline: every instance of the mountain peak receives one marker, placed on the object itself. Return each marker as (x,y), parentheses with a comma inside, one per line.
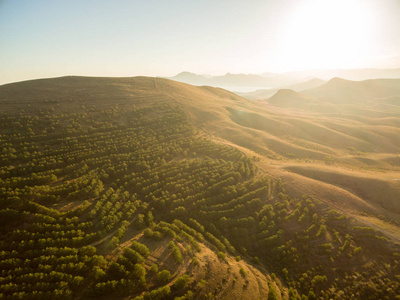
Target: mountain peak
(338,80)
(186,73)
(286,92)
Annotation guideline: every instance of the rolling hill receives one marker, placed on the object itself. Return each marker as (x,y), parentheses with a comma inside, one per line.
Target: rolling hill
(148,188)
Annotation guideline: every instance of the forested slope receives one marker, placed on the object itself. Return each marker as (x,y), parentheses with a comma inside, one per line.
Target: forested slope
(109,190)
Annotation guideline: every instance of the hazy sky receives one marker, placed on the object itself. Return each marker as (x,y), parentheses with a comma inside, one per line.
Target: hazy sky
(47,38)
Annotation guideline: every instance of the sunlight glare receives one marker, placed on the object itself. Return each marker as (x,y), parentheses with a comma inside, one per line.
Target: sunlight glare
(327,34)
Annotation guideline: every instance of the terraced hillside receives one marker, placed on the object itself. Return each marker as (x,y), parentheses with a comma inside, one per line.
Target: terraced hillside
(144,188)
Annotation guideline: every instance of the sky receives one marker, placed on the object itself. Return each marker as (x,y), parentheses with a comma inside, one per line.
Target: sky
(50,38)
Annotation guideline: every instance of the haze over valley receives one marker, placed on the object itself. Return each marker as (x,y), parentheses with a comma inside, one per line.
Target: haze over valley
(271,82)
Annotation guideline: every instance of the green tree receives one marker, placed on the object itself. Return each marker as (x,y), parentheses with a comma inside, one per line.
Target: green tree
(164,276)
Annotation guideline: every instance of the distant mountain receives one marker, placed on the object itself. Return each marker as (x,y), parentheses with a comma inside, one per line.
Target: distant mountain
(224,80)
(350,74)
(326,98)
(191,78)
(235,81)
(275,81)
(298,87)
(241,80)
(289,98)
(309,84)
(347,91)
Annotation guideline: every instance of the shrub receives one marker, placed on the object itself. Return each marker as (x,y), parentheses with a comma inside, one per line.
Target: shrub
(221,255)
(164,276)
(242,272)
(181,282)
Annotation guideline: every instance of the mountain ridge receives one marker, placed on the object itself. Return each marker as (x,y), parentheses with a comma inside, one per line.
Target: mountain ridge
(285,79)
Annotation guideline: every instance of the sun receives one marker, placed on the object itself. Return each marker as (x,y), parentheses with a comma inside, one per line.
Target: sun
(327,34)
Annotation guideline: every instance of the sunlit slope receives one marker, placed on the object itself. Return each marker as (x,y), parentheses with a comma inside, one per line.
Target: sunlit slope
(292,128)
(206,106)
(355,125)
(343,138)
(285,128)
(379,190)
(344,115)
(98,88)
(206,272)
(345,133)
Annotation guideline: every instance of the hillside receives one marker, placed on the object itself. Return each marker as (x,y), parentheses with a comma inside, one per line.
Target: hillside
(147,188)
